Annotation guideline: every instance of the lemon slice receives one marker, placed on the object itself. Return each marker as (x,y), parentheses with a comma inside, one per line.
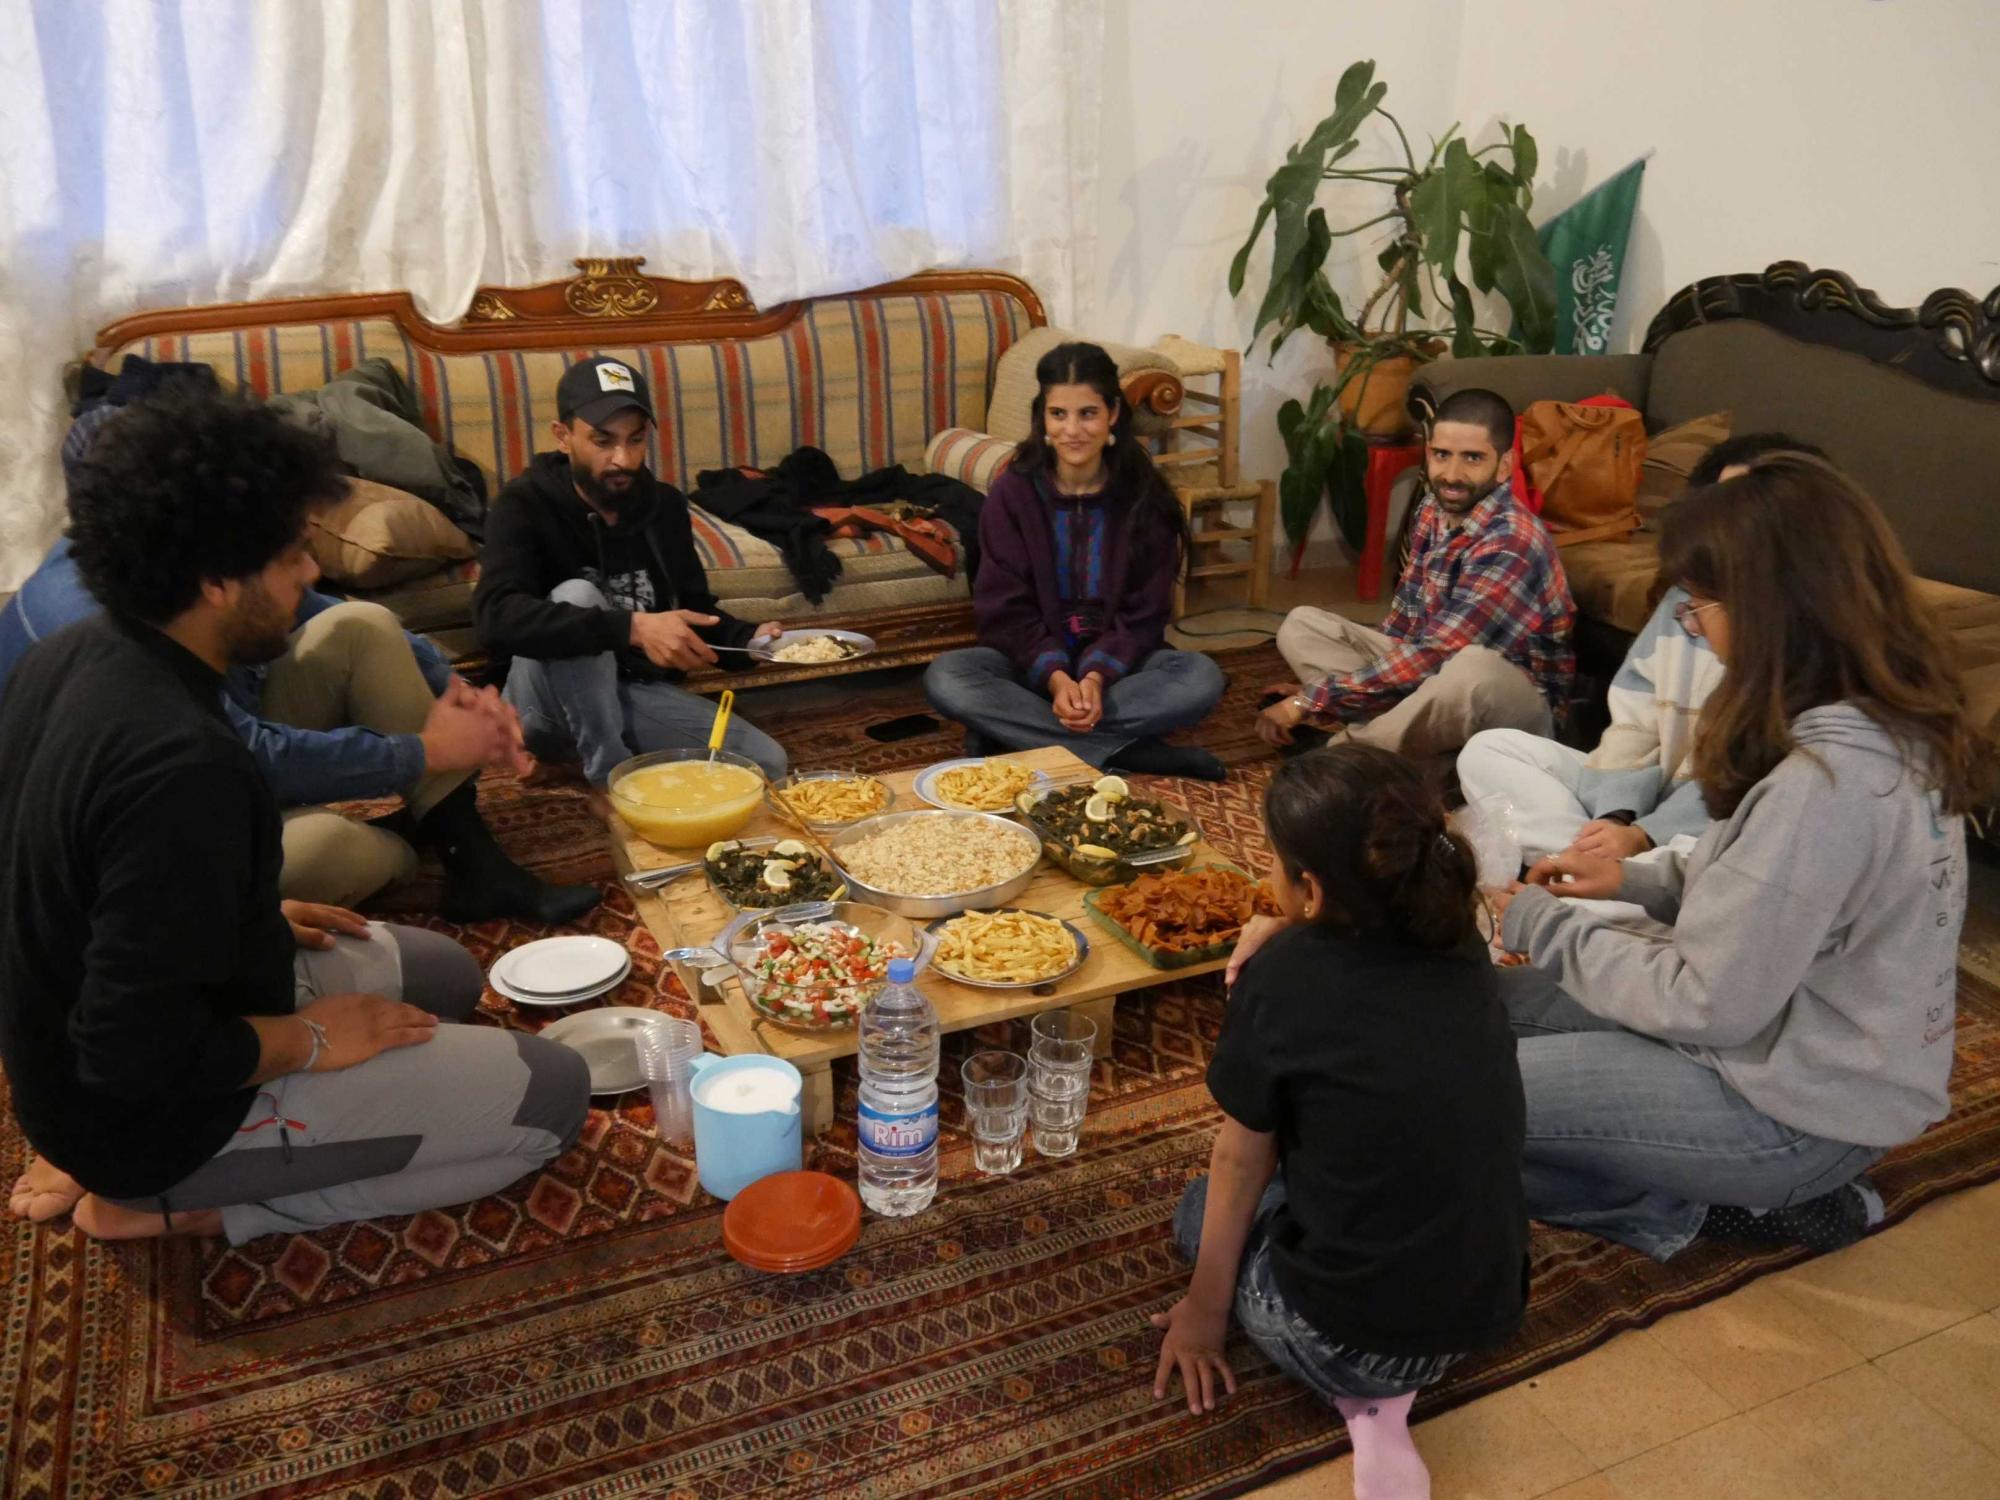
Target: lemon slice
(791,849)
(717,850)
(1096,851)
(1113,787)
(778,875)
(1098,809)
(1185,839)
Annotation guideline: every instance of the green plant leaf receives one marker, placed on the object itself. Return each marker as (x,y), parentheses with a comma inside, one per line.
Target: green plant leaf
(1526,157)
(1465,341)
(1312,435)
(1440,201)
(1292,298)
(1347,489)
(1242,259)
(1523,275)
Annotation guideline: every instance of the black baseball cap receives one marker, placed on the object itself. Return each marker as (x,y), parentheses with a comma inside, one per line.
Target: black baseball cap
(598,388)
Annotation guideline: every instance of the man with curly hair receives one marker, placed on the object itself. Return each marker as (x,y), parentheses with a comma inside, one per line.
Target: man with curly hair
(353,707)
(186,1050)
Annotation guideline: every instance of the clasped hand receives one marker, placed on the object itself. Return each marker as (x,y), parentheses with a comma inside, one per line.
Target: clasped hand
(1079,705)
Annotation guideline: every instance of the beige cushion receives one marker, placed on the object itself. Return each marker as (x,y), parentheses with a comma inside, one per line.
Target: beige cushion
(1671,456)
(974,458)
(1928,458)
(1613,581)
(379,537)
(1012,403)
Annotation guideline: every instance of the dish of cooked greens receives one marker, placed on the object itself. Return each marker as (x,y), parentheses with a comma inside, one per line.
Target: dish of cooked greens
(1103,820)
(761,877)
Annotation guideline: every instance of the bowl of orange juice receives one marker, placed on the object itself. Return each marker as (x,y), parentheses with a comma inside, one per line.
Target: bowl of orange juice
(687,799)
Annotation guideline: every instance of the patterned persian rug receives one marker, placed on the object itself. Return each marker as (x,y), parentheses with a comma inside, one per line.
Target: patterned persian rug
(583,1333)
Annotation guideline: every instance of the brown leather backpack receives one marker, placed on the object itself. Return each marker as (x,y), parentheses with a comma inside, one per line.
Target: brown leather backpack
(1583,459)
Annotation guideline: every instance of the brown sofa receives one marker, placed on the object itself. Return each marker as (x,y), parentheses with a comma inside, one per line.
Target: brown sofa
(1906,400)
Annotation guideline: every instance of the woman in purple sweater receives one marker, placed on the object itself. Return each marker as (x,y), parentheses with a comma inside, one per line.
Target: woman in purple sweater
(1081,541)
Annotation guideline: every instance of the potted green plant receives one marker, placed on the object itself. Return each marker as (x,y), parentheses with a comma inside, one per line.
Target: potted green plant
(1459,207)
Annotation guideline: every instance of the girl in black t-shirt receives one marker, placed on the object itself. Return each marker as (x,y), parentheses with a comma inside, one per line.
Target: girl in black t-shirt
(1363,1215)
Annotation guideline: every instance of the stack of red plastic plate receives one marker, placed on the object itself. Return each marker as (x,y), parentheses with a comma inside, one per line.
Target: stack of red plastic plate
(792,1221)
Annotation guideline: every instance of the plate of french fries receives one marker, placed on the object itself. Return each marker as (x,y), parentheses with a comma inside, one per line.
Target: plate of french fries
(827,800)
(1007,948)
(989,784)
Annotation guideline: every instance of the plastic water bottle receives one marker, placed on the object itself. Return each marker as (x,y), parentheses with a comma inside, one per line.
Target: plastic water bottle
(898,1126)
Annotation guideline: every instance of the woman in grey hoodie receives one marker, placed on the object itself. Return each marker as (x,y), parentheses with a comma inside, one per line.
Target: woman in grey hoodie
(1738,1076)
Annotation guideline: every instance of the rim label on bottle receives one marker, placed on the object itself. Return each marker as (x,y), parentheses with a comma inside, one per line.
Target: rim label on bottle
(898,1133)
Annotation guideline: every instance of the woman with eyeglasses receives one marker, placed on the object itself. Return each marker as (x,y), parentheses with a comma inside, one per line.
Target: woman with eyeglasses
(1738,1076)
(1635,796)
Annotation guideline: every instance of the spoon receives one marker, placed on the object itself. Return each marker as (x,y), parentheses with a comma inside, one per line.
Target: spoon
(724,706)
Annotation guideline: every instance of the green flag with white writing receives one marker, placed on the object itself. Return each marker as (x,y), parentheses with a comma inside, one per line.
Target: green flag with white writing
(1586,244)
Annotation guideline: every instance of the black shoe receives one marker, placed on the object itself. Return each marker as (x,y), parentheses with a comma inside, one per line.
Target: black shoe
(1157,758)
(481,882)
(1832,1221)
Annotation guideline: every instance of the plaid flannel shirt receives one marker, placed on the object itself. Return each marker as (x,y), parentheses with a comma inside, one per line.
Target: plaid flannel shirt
(1493,580)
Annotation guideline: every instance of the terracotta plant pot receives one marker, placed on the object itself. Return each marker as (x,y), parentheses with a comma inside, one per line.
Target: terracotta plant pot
(1375,403)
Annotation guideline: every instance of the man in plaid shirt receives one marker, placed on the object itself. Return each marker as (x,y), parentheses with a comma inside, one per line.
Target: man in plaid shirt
(1479,634)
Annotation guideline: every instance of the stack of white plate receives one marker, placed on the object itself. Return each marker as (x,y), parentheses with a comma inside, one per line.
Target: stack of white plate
(560,970)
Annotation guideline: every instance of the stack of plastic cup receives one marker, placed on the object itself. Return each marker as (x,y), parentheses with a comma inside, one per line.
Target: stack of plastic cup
(996,1109)
(667,1050)
(1059,1064)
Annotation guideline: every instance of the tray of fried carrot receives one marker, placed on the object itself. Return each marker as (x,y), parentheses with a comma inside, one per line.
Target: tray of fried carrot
(1181,917)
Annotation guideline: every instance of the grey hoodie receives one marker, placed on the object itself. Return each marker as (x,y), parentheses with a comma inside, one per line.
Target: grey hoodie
(1814,956)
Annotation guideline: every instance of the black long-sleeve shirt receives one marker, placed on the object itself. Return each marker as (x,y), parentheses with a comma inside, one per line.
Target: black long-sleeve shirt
(540,534)
(139,917)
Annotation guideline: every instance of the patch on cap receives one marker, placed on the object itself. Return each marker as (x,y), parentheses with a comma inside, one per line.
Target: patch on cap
(614,378)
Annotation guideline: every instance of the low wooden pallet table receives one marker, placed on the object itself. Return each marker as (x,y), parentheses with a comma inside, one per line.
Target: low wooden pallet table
(687,914)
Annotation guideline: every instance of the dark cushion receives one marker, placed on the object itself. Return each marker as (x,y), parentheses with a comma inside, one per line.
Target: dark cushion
(1931,460)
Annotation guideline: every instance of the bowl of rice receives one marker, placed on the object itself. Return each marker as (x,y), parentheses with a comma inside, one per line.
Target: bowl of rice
(936,864)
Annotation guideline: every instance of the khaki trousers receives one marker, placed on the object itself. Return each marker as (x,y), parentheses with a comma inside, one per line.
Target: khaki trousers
(1477,688)
(350,666)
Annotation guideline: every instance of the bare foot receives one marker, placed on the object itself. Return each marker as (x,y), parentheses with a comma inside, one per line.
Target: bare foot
(104,1220)
(43,1192)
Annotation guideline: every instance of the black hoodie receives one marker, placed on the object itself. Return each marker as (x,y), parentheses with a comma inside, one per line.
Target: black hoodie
(541,533)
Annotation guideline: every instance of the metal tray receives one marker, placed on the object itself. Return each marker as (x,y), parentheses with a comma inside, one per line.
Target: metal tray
(936,930)
(932,906)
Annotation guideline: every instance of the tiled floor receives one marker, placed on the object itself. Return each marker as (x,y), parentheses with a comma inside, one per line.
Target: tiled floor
(1871,1374)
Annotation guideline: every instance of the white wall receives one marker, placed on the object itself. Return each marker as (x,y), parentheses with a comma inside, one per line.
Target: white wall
(1200,101)
(1861,135)
(1858,134)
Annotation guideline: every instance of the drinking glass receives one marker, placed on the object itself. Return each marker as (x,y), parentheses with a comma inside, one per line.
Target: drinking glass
(1059,1066)
(996,1108)
(667,1050)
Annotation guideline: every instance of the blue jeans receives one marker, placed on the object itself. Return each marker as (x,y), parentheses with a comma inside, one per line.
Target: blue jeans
(1286,1339)
(982,689)
(578,706)
(1631,1138)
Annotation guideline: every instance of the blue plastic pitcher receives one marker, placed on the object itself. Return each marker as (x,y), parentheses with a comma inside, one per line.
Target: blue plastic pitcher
(733,1150)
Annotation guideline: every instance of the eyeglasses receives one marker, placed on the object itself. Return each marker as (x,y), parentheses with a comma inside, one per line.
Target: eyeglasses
(1687,614)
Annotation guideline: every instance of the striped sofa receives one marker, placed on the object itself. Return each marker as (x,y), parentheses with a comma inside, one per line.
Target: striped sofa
(872,378)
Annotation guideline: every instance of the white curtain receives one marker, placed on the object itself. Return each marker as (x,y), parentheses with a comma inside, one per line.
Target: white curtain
(168,152)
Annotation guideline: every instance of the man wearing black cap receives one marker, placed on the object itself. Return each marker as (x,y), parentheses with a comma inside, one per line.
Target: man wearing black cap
(589,581)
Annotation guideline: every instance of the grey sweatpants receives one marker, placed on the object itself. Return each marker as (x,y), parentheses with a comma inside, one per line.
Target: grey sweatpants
(445,1121)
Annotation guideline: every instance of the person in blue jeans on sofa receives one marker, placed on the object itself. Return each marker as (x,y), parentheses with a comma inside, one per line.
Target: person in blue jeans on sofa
(593,596)
(1080,543)
(355,708)
(1736,1077)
